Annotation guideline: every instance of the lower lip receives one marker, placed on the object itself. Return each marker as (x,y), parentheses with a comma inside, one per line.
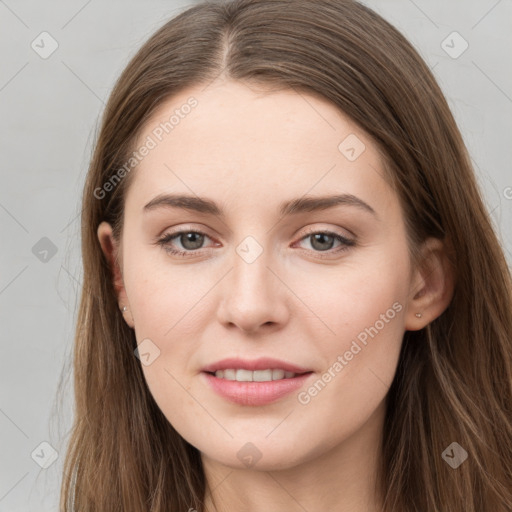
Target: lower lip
(255,393)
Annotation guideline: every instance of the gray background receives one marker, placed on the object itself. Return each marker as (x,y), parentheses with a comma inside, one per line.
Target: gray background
(49,113)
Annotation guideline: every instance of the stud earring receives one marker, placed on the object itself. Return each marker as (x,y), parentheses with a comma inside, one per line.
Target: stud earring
(124,309)
(418,315)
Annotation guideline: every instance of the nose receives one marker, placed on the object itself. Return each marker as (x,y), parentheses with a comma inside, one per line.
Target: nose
(254,296)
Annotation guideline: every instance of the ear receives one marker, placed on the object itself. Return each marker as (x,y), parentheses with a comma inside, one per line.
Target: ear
(432,285)
(111,250)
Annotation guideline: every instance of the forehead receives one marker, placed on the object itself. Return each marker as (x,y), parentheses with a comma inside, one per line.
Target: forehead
(230,137)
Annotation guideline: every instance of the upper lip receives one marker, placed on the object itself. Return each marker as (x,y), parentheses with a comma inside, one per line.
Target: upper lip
(262,363)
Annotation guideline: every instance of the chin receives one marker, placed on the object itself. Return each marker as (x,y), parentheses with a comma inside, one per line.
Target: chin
(256,456)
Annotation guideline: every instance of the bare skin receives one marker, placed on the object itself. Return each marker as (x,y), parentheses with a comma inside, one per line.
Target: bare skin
(302,300)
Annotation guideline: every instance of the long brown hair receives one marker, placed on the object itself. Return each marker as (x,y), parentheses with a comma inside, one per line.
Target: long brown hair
(454,378)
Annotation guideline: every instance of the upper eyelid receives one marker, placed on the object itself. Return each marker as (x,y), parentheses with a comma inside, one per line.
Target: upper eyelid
(182,231)
(333,231)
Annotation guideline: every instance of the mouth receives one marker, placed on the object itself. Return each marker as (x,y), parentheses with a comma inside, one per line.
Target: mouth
(242,387)
(243,375)
(254,382)
(264,368)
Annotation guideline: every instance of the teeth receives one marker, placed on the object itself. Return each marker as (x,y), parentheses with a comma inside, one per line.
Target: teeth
(261,375)
(241,375)
(278,374)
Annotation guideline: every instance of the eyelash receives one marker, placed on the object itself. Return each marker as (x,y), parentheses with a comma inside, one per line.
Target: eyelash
(164,242)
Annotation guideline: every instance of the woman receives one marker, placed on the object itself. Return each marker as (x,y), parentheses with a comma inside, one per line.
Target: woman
(293,297)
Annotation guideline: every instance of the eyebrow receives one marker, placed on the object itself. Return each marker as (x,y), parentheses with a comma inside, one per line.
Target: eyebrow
(291,207)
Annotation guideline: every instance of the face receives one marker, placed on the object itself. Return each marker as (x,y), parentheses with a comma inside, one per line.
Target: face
(256,274)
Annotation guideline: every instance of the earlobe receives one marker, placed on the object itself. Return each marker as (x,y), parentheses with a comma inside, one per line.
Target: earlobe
(432,285)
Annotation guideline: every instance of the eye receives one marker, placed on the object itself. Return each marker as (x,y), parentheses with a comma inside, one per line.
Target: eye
(190,240)
(323,241)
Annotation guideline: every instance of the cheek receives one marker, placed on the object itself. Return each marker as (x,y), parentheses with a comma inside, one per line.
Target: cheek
(169,310)
(361,310)
(357,294)
(361,306)
(163,297)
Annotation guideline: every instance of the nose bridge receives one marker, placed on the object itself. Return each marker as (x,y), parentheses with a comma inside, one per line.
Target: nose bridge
(251,279)
(250,272)
(253,295)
